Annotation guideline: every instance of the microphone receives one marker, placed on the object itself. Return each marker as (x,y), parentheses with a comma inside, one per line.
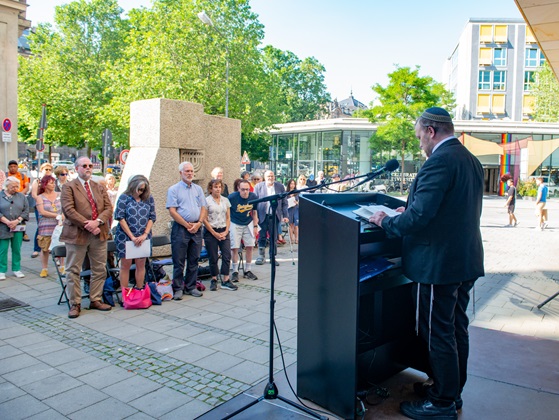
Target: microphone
(389,166)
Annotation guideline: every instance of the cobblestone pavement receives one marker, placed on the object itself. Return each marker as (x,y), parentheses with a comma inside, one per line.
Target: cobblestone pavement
(181,359)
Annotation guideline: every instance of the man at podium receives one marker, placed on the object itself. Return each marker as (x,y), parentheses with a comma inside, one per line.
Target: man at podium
(442,253)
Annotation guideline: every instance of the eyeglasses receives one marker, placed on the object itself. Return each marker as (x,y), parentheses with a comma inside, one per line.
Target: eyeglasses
(244,189)
(63,175)
(85,166)
(141,190)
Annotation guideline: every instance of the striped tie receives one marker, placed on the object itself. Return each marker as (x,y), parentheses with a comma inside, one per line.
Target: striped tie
(94,213)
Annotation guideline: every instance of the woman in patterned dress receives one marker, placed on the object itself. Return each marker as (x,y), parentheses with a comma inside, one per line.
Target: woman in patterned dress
(135,213)
(49,209)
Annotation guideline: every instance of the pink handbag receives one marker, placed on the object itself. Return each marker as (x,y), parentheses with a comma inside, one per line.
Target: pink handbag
(133,298)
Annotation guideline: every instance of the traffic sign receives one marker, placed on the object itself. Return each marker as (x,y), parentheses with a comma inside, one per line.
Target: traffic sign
(40,146)
(245,160)
(6,124)
(6,137)
(123,155)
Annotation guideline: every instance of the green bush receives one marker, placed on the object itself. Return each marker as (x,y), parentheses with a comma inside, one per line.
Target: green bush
(527,188)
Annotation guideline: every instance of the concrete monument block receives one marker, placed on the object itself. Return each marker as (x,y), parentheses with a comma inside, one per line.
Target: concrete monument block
(164,133)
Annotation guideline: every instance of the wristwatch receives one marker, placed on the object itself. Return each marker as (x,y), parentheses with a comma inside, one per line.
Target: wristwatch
(101,223)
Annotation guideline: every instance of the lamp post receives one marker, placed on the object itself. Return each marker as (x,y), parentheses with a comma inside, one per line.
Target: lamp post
(207,21)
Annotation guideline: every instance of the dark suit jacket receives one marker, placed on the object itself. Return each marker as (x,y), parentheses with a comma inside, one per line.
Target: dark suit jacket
(77,210)
(260,190)
(440,226)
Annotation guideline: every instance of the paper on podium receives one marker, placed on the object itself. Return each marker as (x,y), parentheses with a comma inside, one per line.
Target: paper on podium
(367,211)
(142,251)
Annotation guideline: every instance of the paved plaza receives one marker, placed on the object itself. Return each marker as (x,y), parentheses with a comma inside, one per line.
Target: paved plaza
(183,358)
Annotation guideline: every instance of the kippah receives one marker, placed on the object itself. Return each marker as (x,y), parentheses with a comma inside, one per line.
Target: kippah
(437,114)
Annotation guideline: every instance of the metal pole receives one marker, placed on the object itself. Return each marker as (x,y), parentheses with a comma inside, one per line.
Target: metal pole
(227,82)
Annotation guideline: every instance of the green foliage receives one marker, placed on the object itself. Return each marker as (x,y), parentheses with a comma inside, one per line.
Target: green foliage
(92,64)
(527,188)
(401,102)
(546,94)
(302,92)
(65,70)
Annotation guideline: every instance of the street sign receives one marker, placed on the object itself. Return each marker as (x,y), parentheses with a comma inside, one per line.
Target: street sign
(40,145)
(245,160)
(6,137)
(6,124)
(123,156)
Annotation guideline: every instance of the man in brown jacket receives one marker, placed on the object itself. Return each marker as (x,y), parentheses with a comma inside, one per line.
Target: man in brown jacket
(87,209)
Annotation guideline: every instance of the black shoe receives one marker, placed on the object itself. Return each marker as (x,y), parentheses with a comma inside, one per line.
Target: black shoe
(213,285)
(228,285)
(426,410)
(235,277)
(249,275)
(421,389)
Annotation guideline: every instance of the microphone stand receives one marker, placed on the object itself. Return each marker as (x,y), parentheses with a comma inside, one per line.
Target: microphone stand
(271,390)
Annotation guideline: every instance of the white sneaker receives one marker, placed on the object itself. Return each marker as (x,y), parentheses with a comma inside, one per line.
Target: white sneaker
(19,274)
(2,276)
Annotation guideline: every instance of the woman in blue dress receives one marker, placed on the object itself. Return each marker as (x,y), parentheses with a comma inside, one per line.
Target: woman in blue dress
(135,213)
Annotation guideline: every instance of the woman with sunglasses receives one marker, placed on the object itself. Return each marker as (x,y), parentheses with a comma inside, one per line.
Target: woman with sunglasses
(135,213)
(46,169)
(50,215)
(61,174)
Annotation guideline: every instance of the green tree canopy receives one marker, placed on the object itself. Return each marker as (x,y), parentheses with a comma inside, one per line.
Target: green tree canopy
(301,83)
(400,104)
(65,70)
(92,64)
(546,93)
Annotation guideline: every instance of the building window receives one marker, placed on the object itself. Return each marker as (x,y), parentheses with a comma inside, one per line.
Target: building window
(530,38)
(484,82)
(501,34)
(499,57)
(483,103)
(531,58)
(529,80)
(527,104)
(498,104)
(485,56)
(486,34)
(500,80)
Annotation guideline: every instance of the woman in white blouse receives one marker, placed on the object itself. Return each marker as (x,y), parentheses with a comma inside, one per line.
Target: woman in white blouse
(216,234)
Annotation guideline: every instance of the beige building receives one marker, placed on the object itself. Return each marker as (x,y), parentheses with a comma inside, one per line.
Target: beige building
(12,24)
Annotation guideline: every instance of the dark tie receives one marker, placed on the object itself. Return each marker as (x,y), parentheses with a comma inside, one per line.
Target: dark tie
(91,201)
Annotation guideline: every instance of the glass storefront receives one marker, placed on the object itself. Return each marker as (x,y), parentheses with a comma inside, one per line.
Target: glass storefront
(342,147)
(339,151)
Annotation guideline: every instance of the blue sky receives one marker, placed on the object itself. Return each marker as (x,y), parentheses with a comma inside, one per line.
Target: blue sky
(358,41)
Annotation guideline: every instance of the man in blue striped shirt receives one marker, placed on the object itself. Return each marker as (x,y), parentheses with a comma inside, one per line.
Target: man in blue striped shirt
(188,208)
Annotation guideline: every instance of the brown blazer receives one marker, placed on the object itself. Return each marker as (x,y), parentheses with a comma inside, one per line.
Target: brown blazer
(77,210)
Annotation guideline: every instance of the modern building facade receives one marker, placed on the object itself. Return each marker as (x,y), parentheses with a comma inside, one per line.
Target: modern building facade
(492,70)
(342,146)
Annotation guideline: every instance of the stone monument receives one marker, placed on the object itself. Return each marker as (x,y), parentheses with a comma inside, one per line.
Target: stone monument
(164,133)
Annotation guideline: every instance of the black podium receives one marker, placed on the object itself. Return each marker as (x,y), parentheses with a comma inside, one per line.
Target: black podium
(351,333)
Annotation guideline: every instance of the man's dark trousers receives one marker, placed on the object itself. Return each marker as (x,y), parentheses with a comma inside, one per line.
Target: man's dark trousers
(185,247)
(447,339)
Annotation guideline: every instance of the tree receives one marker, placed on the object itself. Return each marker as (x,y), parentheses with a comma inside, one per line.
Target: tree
(546,94)
(301,82)
(401,102)
(170,53)
(65,70)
